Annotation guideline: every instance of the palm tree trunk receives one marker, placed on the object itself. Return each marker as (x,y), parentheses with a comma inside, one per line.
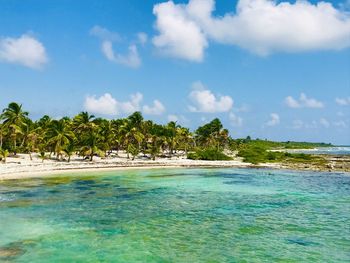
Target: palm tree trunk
(23,141)
(15,145)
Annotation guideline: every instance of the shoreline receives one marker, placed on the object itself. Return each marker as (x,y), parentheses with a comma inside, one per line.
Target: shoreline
(50,170)
(22,167)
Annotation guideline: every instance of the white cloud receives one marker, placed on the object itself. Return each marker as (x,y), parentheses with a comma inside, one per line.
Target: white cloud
(25,50)
(179,36)
(291,102)
(131,59)
(157,108)
(104,34)
(205,101)
(303,102)
(325,123)
(261,26)
(105,104)
(322,123)
(132,105)
(343,101)
(274,119)
(235,120)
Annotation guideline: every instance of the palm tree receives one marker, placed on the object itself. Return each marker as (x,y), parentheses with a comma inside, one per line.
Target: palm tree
(3,154)
(185,138)
(133,139)
(14,118)
(59,135)
(69,149)
(107,133)
(91,143)
(171,136)
(3,132)
(30,133)
(83,121)
(154,145)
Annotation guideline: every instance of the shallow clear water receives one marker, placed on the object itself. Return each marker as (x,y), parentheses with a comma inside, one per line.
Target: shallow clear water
(182,215)
(341,150)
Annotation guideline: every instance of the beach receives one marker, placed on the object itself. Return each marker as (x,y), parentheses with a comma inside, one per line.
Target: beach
(21,166)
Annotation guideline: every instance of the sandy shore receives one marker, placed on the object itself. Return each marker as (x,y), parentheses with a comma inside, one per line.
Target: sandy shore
(22,167)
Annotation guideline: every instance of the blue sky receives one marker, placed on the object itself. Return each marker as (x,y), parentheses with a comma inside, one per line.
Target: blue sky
(281,77)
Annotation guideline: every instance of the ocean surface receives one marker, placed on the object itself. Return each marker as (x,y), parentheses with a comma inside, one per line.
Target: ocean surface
(339,150)
(177,215)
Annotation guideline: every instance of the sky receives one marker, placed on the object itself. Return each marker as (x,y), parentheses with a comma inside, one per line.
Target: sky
(270,70)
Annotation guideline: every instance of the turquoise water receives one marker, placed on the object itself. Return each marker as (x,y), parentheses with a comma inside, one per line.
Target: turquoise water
(177,215)
(339,150)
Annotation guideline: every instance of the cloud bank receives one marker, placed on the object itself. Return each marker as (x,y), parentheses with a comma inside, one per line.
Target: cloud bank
(25,50)
(130,59)
(260,26)
(274,120)
(107,105)
(343,101)
(303,102)
(203,100)
(156,109)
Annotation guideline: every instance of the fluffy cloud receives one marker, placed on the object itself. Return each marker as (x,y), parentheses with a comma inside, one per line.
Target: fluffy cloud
(274,119)
(205,101)
(261,26)
(25,50)
(299,124)
(157,108)
(132,105)
(303,102)
(343,101)
(235,120)
(322,123)
(107,105)
(179,35)
(131,59)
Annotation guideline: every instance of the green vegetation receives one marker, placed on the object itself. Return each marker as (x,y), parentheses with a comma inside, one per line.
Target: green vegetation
(209,154)
(255,154)
(88,137)
(269,145)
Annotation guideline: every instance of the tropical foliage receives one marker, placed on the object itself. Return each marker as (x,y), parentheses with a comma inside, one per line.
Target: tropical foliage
(88,136)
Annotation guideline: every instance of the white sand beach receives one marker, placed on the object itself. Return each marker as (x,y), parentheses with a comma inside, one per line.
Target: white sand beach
(21,166)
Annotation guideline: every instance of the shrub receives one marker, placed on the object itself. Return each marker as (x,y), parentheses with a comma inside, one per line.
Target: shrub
(209,154)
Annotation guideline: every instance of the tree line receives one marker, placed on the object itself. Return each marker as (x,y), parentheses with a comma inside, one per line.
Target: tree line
(89,136)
